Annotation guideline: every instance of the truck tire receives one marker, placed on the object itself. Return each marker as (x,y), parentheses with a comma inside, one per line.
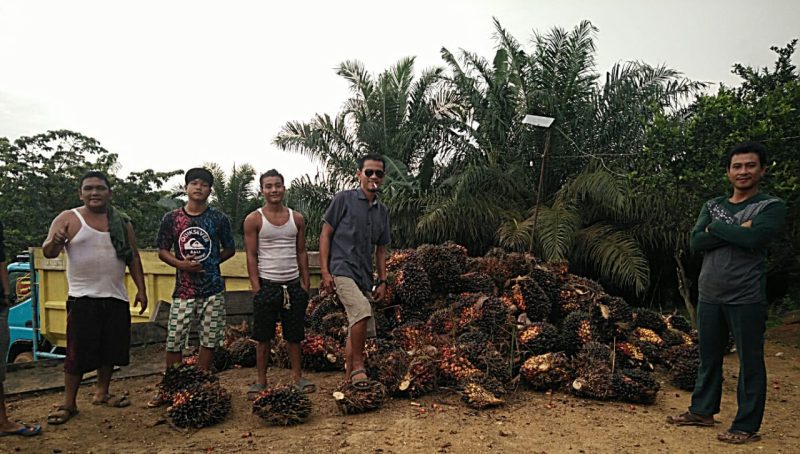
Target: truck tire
(23,357)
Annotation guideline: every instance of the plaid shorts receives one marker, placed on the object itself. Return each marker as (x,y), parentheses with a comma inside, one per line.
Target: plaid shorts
(209,311)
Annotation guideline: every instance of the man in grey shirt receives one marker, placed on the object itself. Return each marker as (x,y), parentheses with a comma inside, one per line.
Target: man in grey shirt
(356,226)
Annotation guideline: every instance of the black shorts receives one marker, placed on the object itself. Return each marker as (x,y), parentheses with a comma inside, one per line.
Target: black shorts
(268,308)
(98,334)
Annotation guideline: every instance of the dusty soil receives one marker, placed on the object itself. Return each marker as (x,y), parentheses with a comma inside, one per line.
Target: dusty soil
(530,422)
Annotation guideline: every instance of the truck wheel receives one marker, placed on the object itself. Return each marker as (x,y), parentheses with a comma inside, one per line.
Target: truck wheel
(24,357)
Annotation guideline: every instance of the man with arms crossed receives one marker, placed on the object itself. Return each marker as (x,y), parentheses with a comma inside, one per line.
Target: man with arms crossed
(356,226)
(277,264)
(733,233)
(7,427)
(195,239)
(100,242)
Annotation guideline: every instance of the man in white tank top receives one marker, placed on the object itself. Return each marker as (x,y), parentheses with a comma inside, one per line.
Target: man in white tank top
(277,264)
(98,313)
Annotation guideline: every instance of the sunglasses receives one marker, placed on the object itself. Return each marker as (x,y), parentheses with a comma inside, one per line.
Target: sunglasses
(377,173)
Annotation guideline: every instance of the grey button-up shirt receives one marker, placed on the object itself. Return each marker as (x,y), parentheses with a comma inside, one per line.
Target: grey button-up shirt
(358,226)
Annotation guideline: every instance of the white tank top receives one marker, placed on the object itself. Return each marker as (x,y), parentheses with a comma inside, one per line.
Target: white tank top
(93,268)
(277,250)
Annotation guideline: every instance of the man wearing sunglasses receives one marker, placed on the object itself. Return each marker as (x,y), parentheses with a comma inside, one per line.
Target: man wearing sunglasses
(356,227)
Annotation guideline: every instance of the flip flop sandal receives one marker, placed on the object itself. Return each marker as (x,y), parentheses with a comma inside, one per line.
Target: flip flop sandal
(25,431)
(61,415)
(738,437)
(360,383)
(113,401)
(689,419)
(254,390)
(305,386)
(158,400)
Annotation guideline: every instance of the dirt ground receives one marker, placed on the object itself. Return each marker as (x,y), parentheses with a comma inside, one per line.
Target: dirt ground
(530,422)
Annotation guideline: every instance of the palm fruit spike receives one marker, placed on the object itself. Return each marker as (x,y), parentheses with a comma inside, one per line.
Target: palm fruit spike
(550,282)
(616,314)
(477,282)
(488,360)
(352,400)
(204,406)
(531,299)
(635,385)
(388,367)
(683,361)
(679,322)
(321,353)
(243,352)
(593,374)
(411,336)
(282,405)
(494,317)
(672,337)
(444,266)
(441,321)
(234,332)
(517,264)
(183,377)
(538,338)
(577,330)
(222,359)
(492,267)
(648,336)
(478,397)
(547,371)
(578,294)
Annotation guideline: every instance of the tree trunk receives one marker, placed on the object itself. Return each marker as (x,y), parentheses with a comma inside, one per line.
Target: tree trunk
(684,285)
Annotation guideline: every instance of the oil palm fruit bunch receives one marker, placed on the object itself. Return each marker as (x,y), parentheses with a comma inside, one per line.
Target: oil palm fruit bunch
(243,352)
(538,338)
(279,353)
(546,371)
(478,397)
(649,342)
(494,316)
(320,306)
(444,266)
(473,336)
(577,330)
(411,289)
(593,374)
(550,282)
(352,400)
(528,297)
(411,336)
(222,359)
(203,406)
(442,321)
(635,386)
(234,332)
(388,367)
(650,319)
(334,325)
(649,336)
(454,367)
(578,294)
(488,360)
(420,377)
(321,353)
(517,264)
(491,266)
(615,314)
(630,355)
(184,377)
(477,282)
(672,337)
(282,405)
(683,361)
(679,322)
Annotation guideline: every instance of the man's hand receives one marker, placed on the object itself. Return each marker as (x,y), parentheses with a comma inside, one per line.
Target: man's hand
(191,266)
(747,224)
(305,285)
(141,301)
(327,283)
(62,235)
(380,293)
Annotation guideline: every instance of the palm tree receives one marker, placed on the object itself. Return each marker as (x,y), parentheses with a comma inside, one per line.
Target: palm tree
(235,194)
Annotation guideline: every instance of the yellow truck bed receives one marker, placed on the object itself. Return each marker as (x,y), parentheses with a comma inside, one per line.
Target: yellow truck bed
(159,278)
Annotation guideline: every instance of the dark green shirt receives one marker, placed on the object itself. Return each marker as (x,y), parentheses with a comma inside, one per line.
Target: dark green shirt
(734,257)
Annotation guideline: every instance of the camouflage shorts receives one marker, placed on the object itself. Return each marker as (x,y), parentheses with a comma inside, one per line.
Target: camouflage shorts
(208,311)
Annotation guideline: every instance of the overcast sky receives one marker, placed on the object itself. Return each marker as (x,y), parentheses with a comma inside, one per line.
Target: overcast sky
(169,85)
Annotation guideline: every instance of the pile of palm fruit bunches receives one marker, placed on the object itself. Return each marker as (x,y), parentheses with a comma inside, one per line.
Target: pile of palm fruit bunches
(479,325)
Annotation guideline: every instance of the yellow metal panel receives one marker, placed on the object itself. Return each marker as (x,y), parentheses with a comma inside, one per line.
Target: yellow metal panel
(159,281)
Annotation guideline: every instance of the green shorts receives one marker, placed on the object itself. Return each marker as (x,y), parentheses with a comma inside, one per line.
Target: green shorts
(210,314)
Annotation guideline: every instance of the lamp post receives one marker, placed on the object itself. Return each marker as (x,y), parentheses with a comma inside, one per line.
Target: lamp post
(540,122)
